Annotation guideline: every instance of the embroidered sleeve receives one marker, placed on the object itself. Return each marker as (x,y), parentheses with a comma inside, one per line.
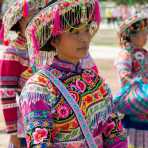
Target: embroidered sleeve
(37,111)
(123,65)
(113,133)
(132,99)
(10,70)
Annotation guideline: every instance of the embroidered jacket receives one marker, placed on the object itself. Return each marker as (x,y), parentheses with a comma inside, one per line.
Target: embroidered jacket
(50,119)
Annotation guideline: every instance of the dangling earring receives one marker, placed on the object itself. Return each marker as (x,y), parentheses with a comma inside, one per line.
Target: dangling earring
(93,28)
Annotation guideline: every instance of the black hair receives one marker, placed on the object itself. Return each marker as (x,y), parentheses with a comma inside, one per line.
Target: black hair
(16,27)
(48,46)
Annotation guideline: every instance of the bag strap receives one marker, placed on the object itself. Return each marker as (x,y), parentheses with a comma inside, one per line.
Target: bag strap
(75,107)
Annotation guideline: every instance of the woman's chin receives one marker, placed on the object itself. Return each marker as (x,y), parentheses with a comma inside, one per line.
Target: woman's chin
(81,56)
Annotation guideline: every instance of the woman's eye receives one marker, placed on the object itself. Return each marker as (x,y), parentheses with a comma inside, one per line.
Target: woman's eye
(73,31)
(80,31)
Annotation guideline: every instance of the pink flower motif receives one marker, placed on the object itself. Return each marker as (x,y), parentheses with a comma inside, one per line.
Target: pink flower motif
(11,92)
(39,135)
(136,66)
(81,85)
(66,4)
(63,111)
(88,78)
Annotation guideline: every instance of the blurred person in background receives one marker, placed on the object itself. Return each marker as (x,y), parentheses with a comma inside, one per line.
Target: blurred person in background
(132,68)
(14,60)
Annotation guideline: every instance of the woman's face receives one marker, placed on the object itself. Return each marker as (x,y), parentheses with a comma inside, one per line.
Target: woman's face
(139,40)
(74,45)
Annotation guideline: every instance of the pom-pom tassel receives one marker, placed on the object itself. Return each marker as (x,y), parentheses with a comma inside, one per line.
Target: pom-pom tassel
(56,22)
(36,48)
(97,12)
(36,45)
(25,8)
(2,33)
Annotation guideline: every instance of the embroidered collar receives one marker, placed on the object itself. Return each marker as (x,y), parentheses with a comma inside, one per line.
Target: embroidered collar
(66,66)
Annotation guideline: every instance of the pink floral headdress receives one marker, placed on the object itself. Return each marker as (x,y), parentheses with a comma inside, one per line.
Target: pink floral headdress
(19,9)
(59,17)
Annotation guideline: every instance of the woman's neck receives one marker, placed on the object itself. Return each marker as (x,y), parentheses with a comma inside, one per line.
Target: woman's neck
(68,59)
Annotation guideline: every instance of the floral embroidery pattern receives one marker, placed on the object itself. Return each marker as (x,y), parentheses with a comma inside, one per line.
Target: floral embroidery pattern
(63,111)
(93,99)
(39,135)
(81,85)
(87,77)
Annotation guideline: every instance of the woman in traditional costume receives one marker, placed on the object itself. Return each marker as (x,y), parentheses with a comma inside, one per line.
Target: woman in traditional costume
(132,68)
(64,105)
